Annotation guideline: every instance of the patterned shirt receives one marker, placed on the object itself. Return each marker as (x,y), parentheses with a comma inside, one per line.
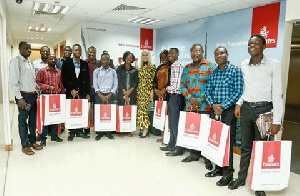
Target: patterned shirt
(176,71)
(193,83)
(47,77)
(225,87)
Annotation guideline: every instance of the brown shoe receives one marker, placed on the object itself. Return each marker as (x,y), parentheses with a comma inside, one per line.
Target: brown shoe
(27,151)
(130,135)
(121,135)
(35,146)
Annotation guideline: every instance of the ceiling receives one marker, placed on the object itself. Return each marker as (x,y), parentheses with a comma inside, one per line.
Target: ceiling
(169,12)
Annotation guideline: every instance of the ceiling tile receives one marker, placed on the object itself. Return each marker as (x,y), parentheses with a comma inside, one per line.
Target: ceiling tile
(177,7)
(97,5)
(89,12)
(202,3)
(146,4)
(202,13)
(231,5)
(156,14)
(260,2)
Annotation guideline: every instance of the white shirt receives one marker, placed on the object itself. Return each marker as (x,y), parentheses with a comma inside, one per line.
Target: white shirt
(39,64)
(22,76)
(262,82)
(105,80)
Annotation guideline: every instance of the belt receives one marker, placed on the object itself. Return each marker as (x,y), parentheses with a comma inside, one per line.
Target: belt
(26,92)
(257,104)
(175,94)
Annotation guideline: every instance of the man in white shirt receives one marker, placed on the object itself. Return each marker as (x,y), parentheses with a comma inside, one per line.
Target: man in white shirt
(262,93)
(22,80)
(43,61)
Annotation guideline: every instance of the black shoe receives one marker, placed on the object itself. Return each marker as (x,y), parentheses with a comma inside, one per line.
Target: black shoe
(56,138)
(140,133)
(208,164)
(82,135)
(144,136)
(110,136)
(189,159)
(175,152)
(87,131)
(71,137)
(236,183)
(98,137)
(43,142)
(224,181)
(166,148)
(214,173)
(260,193)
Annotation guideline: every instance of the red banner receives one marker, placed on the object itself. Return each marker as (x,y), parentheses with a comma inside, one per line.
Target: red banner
(146,40)
(265,21)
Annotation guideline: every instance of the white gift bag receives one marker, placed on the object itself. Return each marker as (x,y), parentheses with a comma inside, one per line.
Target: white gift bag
(217,143)
(105,117)
(159,115)
(270,165)
(53,108)
(126,118)
(191,130)
(77,113)
(166,131)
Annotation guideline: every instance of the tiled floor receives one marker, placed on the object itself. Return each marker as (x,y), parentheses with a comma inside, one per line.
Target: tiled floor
(124,166)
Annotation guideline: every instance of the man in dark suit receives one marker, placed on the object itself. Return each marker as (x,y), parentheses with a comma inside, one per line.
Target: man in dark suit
(76,80)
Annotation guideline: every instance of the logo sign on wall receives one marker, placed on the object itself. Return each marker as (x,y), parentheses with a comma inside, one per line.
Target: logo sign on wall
(146,40)
(265,21)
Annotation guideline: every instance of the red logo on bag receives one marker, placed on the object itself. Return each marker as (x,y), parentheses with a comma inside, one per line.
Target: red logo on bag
(271,155)
(54,103)
(126,113)
(158,108)
(192,123)
(105,112)
(215,133)
(76,107)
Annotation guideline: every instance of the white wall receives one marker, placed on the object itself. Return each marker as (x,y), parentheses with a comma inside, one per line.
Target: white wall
(71,36)
(292,10)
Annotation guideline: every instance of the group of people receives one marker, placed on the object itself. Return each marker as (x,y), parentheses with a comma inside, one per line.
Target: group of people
(223,91)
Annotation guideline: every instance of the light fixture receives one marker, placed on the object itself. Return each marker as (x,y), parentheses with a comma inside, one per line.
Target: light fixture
(142,20)
(50,8)
(38,28)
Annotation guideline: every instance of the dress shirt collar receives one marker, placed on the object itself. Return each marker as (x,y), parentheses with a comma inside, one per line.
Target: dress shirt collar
(263,61)
(49,69)
(76,63)
(226,67)
(101,68)
(23,58)
(93,62)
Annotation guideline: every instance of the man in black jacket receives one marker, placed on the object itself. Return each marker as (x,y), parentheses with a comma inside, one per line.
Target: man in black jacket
(76,80)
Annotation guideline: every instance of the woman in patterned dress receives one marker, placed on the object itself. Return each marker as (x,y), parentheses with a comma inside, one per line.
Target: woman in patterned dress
(162,80)
(144,92)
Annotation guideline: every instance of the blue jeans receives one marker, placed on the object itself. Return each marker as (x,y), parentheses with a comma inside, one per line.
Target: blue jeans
(22,120)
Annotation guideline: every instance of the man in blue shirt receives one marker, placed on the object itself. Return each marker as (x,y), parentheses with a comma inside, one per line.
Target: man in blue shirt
(105,82)
(224,88)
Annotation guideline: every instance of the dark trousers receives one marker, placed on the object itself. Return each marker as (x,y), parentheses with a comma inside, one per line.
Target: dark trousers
(22,120)
(249,133)
(77,131)
(99,101)
(175,105)
(229,119)
(52,128)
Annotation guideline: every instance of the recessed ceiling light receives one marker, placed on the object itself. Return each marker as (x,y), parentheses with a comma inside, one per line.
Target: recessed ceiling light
(142,20)
(46,7)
